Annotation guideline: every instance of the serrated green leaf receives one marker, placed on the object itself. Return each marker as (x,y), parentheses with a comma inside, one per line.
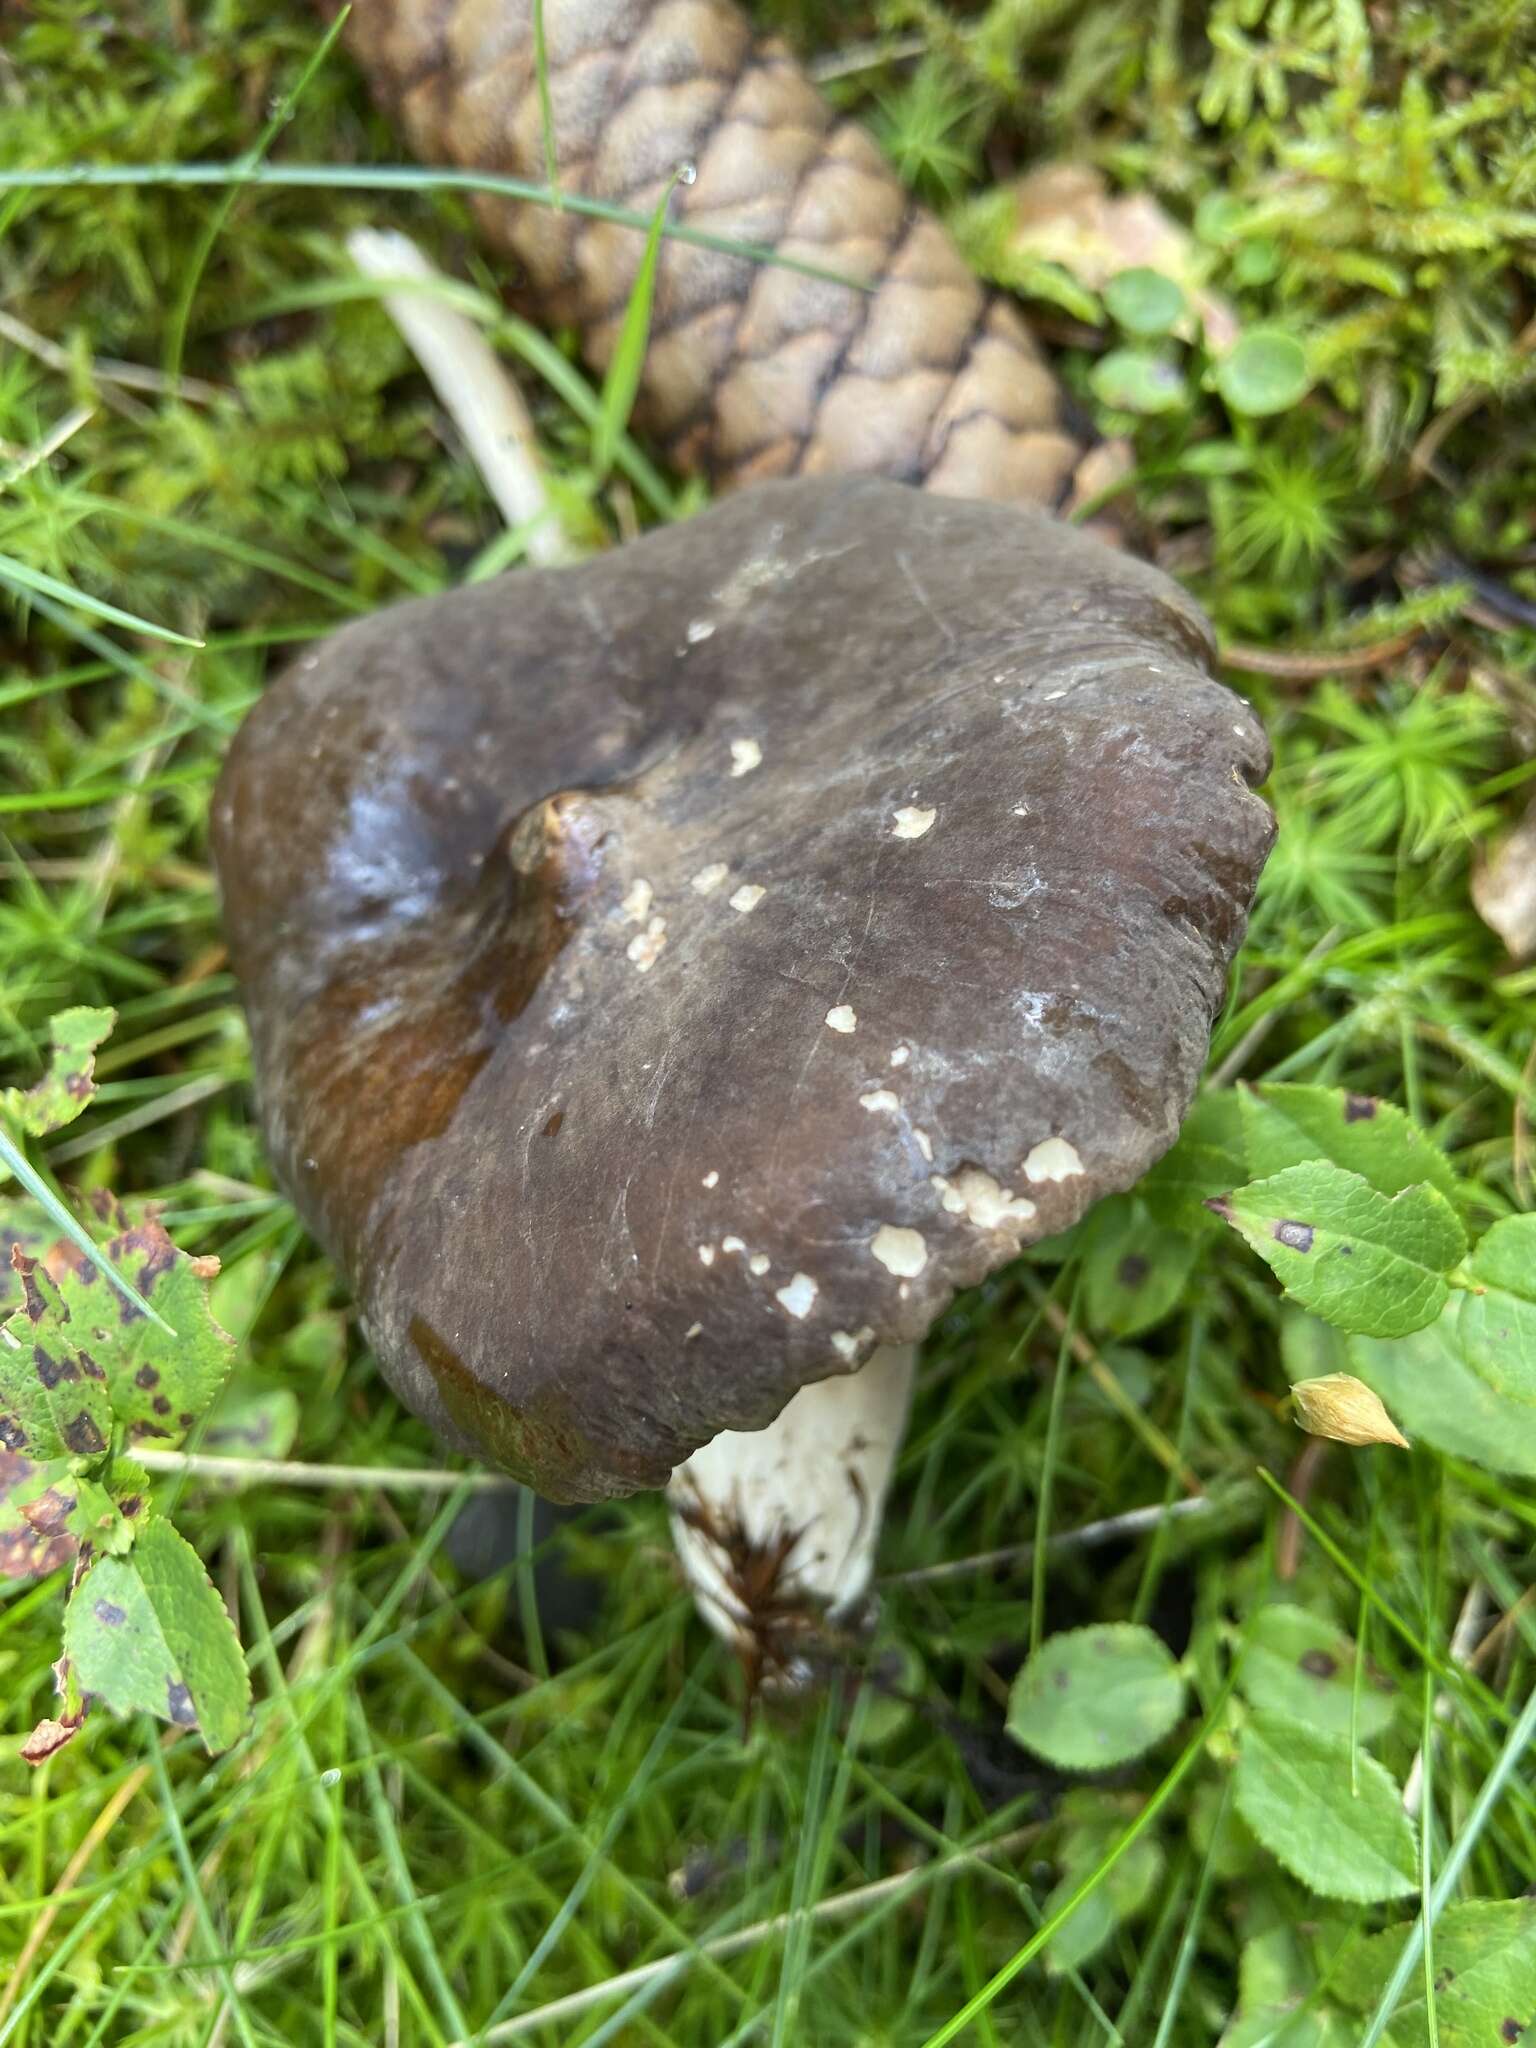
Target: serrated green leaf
(1364,1262)
(1496,1329)
(1286,1124)
(53,1388)
(1095,1697)
(1293,1787)
(148,1633)
(1437,1398)
(74,1328)
(1208,1158)
(1143,301)
(1135,1270)
(1299,1666)
(68,1085)
(1485,1976)
(97,1518)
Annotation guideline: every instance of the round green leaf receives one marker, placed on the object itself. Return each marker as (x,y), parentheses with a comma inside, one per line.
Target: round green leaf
(1096,1697)
(1264,371)
(1298,1664)
(1293,1787)
(1136,380)
(1143,301)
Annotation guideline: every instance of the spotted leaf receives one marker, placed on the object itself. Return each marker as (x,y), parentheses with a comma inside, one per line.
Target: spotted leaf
(70,1082)
(147,1633)
(27,1552)
(54,1401)
(1288,1123)
(154,1384)
(1363,1261)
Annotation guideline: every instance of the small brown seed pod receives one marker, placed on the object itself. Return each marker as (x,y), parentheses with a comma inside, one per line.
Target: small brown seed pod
(754,371)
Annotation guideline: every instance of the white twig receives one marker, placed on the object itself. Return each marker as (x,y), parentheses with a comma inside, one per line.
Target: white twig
(289,1472)
(33,458)
(1091,1536)
(468,377)
(1469,1626)
(838,1907)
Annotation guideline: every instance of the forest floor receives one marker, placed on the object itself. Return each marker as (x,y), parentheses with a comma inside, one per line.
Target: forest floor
(523,1806)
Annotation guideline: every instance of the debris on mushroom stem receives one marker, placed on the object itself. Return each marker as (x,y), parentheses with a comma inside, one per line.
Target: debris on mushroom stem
(777,1528)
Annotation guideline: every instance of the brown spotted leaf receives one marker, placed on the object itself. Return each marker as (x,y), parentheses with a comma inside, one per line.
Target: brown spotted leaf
(1365,1262)
(147,1633)
(154,1384)
(70,1081)
(53,1387)
(26,1552)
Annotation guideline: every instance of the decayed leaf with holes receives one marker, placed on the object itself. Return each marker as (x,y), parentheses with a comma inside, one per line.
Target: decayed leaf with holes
(75,1330)
(27,1552)
(70,1082)
(148,1632)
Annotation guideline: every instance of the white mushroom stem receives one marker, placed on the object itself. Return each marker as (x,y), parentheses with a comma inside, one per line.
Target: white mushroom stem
(810,1489)
(464,371)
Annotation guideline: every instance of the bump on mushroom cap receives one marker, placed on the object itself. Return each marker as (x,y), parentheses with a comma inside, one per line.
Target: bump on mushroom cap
(517,1128)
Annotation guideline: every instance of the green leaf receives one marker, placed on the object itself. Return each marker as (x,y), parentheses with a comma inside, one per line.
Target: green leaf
(1363,1262)
(69,1083)
(1144,302)
(1436,1398)
(1293,1788)
(148,1633)
(1208,1158)
(1135,1270)
(153,1385)
(1496,1329)
(253,1422)
(1297,1665)
(1136,380)
(54,1401)
(621,381)
(1096,1697)
(1288,1124)
(1485,1976)
(1264,371)
(1124,1892)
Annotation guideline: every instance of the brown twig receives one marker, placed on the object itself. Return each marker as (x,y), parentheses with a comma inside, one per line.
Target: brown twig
(1307,664)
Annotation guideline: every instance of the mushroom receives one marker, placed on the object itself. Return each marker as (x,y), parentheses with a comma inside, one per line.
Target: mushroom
(671,978)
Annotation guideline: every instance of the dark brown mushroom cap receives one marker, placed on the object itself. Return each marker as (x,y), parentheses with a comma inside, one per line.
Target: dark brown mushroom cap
(672,976)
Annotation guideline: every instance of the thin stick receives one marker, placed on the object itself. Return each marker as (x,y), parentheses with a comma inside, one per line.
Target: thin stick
(289,1472)
(130,376)
(1091,1536)
(1306,664)
(1474,1612)
(34,457)
(467,376)
(835,1908)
